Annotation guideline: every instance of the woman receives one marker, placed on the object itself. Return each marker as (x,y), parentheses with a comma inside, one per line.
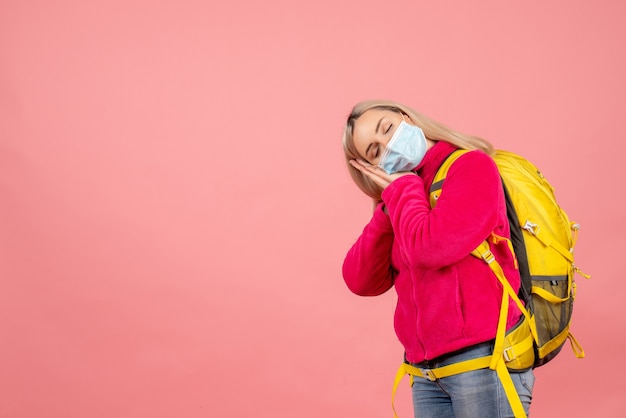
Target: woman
(448,300)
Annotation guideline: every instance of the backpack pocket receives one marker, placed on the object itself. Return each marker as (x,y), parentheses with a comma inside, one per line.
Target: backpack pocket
(519,352)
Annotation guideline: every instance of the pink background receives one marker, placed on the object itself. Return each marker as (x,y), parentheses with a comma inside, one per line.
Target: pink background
(175,206)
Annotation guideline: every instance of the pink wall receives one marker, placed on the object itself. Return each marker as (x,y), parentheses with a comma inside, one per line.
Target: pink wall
(175,209)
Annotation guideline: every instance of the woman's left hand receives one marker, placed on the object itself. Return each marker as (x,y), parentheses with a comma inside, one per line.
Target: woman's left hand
(377,174)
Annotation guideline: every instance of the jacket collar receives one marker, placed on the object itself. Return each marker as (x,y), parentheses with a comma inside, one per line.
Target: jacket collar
(433,159)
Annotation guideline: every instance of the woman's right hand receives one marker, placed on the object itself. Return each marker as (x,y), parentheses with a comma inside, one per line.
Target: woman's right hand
(377,174)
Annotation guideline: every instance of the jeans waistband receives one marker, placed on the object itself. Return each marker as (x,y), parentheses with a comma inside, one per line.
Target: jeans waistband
(486,347)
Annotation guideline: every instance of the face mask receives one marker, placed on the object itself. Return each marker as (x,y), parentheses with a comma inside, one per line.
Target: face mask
(405,149)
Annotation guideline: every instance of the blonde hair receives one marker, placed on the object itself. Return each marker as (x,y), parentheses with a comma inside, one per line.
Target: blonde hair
(433,130)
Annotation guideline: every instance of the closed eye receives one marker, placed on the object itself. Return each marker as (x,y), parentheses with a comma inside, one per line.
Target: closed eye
(389,128)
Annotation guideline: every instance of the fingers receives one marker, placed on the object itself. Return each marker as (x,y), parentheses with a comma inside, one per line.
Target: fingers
(364,165)
(377,174)
(374,173)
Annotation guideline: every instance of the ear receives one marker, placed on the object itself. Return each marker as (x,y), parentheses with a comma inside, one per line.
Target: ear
(407,118)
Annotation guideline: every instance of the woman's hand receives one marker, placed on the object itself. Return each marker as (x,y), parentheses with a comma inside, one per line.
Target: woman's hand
(377,174)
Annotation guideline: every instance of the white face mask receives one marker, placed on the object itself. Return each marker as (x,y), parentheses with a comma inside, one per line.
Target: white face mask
(405,149)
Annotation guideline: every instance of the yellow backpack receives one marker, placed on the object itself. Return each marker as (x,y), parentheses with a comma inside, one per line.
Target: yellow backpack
(542,239)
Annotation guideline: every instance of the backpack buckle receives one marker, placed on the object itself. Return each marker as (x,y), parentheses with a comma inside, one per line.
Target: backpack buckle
(508,357)
(428,374)
(488,257)
(530,227)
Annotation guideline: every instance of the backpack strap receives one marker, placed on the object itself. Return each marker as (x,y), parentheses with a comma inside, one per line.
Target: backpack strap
(498,358)
(437,184)
(547,239)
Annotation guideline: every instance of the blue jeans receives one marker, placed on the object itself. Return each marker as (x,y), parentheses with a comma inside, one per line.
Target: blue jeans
(476,394)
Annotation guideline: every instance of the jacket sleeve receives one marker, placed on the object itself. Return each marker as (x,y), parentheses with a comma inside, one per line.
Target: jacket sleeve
(367,267)
(465,214)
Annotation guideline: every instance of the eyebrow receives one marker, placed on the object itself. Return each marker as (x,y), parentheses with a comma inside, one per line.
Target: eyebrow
(378,124)
(371,143)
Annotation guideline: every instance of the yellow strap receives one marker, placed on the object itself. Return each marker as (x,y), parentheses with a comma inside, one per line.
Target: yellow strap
(497,360)
(483,251)
(585,275)
(547,240)
(396,382)
(445,167)
(442,173)
(450,369)
(509,389)
(498,348)
(574,226)
(576,347)
(520,347)
(544,294)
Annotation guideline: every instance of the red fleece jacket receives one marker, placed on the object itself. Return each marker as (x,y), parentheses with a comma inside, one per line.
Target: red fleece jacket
(447,298)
